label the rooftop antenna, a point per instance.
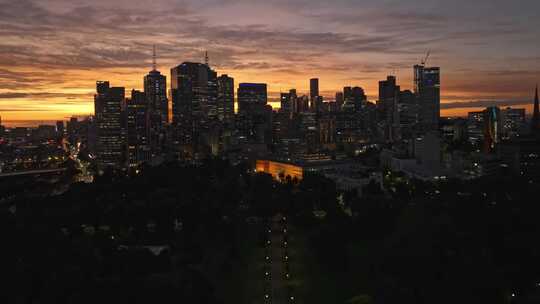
(154, 61)
(424, 60)
(206, 57)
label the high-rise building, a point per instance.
(194, 100)
(513, 121)
(286, 105)
(358, 97)
(109, 103)
(387, 106)
(60, 128)
(256, 117)
(155, 90)
(535, 122)
(313, 88)
(347, 94)
(138, 129)
(492, 128)
(427, 90)
(475, 126)
(408, 114)
(226, 99)
(339, 100)
(251, 96)
(314, 97)
(2, 129)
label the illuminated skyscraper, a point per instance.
(226, 99)
(313, 88)
(359, 97)
(314, 97)
(347, 94)
(251, 96)
(492, 128)
(387, 106)
(109, 103)
(339, 100)
(427, 90)
(138, 129)
(194, 99)
(155, 90)
(256, 117)
(535, 122)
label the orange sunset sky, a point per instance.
(53, 51)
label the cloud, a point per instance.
(483, 103)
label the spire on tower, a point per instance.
(154, 61)
(535, 123)
(206, 57)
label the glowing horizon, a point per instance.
(53, 51)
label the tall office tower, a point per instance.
(252, 101)
(286, 105)
(492, 128)
(155, 90)
(226, 99)
(513, 121)
(138, 129)
(2, 129)
(109, 104)
(313, 88)
(359, 97)
(60, 128)
(407, 114)
(251, 96)
(387, 106)
(294, 100)
(535, 122)
(302, 104)
(428, 94)
(314, 97)
(339, 100)
(475, 126)
(347, 94)
(194, 100)
(72, 128)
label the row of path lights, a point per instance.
(286, 258)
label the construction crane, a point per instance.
(426, 58)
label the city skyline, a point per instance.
(54, 51)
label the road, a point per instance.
(277, 269)
(32, 172)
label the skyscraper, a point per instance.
(226, 99)
(427, 90)
(155, 90)
(314, 97)
(359, 97)
(339, 99)
(251, 96)
(313, 88)
(492, 128)
(255, 116)
(535, 122)
(138, 129)
(286, 105)
(60, 128)
(194, 99)
(387, 106)
(347, 94)
(109, 104)
(513, 121)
